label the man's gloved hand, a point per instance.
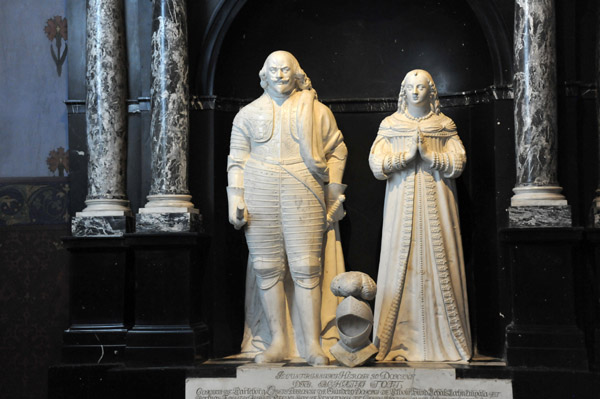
(238, 212)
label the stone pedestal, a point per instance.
(99, 304)
(543, 329)
(88, 224)
(400, 381)
(167, 327)
(540, 216)
(149, 221)
(538, 201)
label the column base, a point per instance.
(102, 224)
(168, 213)
(168, 220)
(538, 196)
(539, 216)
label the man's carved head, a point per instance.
(411, 87)
(281, 74)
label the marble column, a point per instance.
(596, 203)
(538, 201)
(169, 206)
(107, 212)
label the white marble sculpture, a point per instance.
(354, 318)
(421, 305)
(285, 168)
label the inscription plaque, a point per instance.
(255, 381)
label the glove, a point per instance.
(238, 212)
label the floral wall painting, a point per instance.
(56, 30)
(58, 159)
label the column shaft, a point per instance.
(535, 93)
(537, 200)
(107, 211)
(106, 116)
(170, 99)
(169, 206)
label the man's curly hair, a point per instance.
(302, 81)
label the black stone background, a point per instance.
(362, 50)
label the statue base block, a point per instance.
(168, 222)
(101, 225)
(297, 380)
(539, 216)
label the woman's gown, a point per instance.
(421, 305)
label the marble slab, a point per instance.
(539, 216)
(101, 226)
(161, 222)
(414, 381)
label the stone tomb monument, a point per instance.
(284, 147)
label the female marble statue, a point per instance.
(421, 305)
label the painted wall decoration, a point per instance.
(38, 201)
(58, 160)
(56, 30)
(33, 88)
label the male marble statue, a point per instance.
(421, 304)
(285, 168)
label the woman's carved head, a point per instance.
(418, 89)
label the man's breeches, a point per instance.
(286, 222)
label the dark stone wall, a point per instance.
(34, 296)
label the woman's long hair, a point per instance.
(434, 100)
